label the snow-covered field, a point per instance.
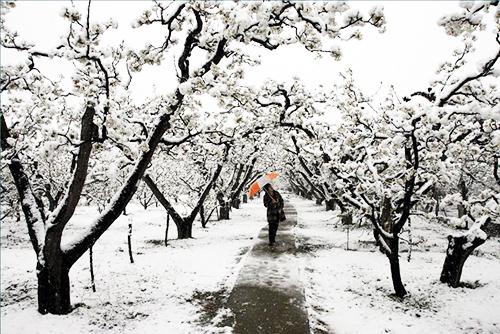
(351, 291)
(170, 289)
(180, 288)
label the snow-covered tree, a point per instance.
(465, 119)
(190, 183)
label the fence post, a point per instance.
(166, 230)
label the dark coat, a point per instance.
(273, 208)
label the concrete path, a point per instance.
(268, 296)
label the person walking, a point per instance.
(274, 204)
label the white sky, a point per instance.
(406, 55)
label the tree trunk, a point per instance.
(457, 253)
(347, 235)
(202, 217)
(397, 283)
(207, 219)
(346, 218)
(399, 288)
(330, 204)
(184, 231)
(245, 198)
(390, 247)
(464, 192)
(386, 218)
(166, 230)
(224, 211)
(236, 203)
(461, 211)
(53, 286)
(436, 205)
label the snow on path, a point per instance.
(268, 296)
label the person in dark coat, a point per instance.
(274, 204)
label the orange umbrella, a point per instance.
(256, 186)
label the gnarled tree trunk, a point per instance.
(53, 287)
(330, 204)
(459, 249)
(464, 193)
(53, 276)
(224, 209)
(235, 203)
(397, 283)
(184, 231)
(387, 239)
(202, 217)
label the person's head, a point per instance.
(269, 188)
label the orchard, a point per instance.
(146, 131)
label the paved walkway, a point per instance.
(268, 296)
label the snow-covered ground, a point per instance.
(351, 291)
(170, 289)
(181, 288)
